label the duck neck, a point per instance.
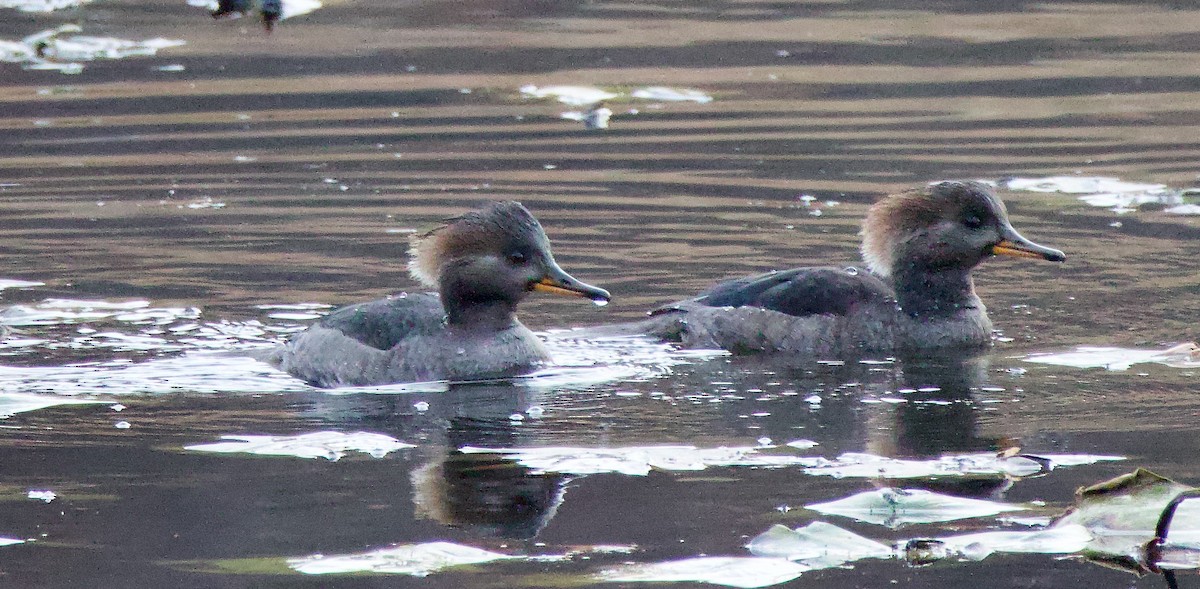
(489, 314)
(922, 292)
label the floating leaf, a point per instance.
(1065, 539)
(818, 545)
(899, 507)
(957, 465)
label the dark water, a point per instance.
(211, 208)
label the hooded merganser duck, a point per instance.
(482, 264)
(915, 296)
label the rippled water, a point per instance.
(173, 211)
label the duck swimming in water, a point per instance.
(916, 294)
(482, 264)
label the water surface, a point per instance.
(184, 207)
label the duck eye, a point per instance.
(973, 221)
(516, 258)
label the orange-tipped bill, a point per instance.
(1015, 245)
(558, 282)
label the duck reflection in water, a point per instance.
(483, 264)
(915, 295)
(271, 11)
(486, 495)
(489, 494)
(911, 407)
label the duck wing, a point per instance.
(802, 292)
(382, 324)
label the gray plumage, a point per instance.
(917, 294)
(483, 263)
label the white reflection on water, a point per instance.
(666, 94)
(48, 50)
(1185, 355)
(329, 445)
(182, 353)
(418, 560)
(13, 283)
(13, 403)
(730, 571)
(572, 95)
(41, 5)
(70, 311)
(638, 460)
(855, 464)
(1110, 193)
(290, 7)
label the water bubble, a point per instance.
(421, 406)
(122, 425)
(599, 302)
(535, 412)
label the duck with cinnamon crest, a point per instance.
(482, 264)
(916, 294)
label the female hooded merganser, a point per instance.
(482, 264)
(919, 247)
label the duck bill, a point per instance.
(1015, 245)
(556, 281)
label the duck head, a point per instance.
(492, 256)
(945, 227)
